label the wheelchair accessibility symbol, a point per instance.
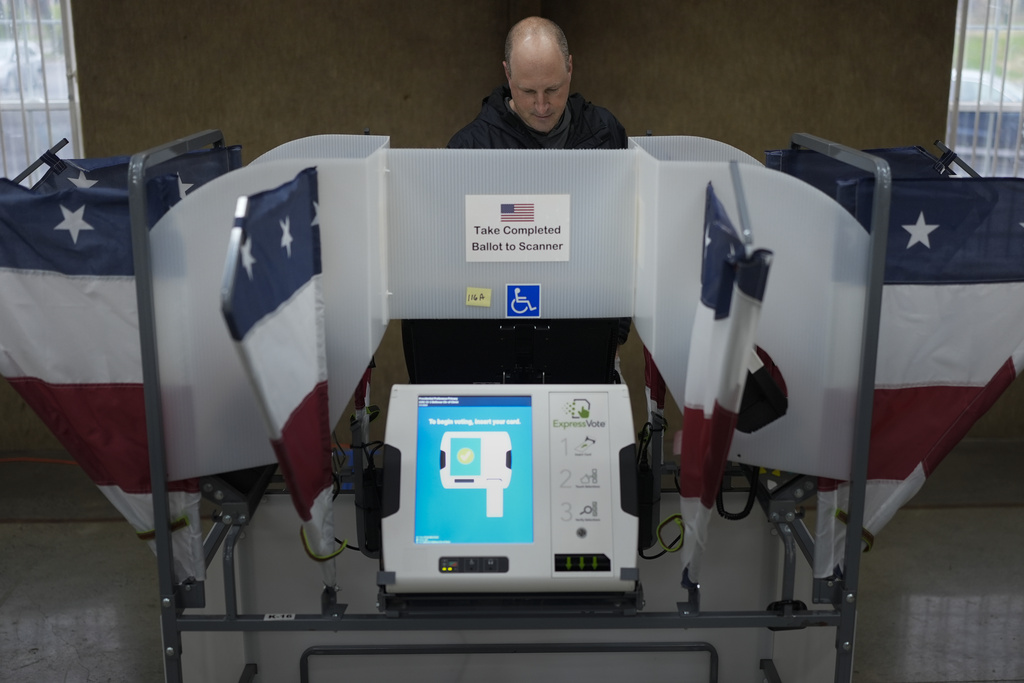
(522, 301)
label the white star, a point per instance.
(919, 232)
(286, 234)
(73, 222)
(183, 188)
(247, 257)
(316, 214)
(81, 181)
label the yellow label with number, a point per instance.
(478, 296)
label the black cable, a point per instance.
(337, 465)
(751, 474)
(348, 546)
(643, 442)
(663, 551)
(645, 490)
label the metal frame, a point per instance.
(865, 393)
(780, 508)
(501, 648)
(169, 592)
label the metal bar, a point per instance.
(39, 162)
(1019, 138)
(770, 504)
(42, 66)
(3, 146)
(151, 383)
(741, 203)
(865, 392)
(961, 38)
(957, 160)
(230, 591)
(213, 540)
(771, 674)
(21, 78)
(71, 66)
(804, 540)
(504, 648)
(789, 560)
(379, 622)
(981, 79)
(657, 456)
(1002, 91)
(248, 673)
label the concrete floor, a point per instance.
(942, 596)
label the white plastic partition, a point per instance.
(813, 306)
(327, 147)
(357, 243)
(670, 228)
(212, 422)
(811, 324)
(690, 148)
(429, 270)
(634, 248)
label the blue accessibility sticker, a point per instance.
(522, 301)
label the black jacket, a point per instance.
(495, 127)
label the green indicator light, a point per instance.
(568, 562)
(593, 562)
(582, 559)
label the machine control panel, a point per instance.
(472, 565)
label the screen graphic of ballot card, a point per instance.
(474, 470)
(478, 460)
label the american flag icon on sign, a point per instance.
(516, 213)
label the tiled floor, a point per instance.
(942, 592)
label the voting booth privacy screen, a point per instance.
(632, 238)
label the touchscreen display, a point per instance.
(474, 469)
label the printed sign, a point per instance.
(517, 227)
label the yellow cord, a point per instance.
(179, 523)
(313, 555)
(678, 519)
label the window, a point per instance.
(38, 83)
(986, 96)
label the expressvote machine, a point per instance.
(509, 488)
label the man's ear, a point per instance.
(570, 66)
(508, 73)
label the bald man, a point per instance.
(535, 109)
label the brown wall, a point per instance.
(868, 74)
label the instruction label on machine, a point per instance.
(581, 486)
(517, 227)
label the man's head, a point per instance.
(538, 67)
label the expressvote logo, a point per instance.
(578, 412)
(578, 408)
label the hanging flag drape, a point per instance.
(69, 336)
(951, 331)
(69, 345)
(951, 339)
(732, 288)
(274, 309)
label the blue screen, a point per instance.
(480, 489)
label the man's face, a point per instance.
(539, 82)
